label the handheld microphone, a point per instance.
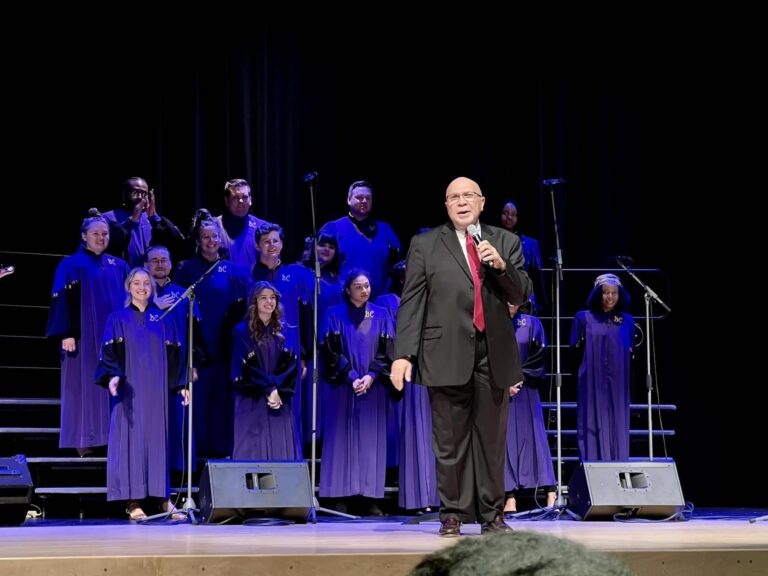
(311, 177)
(553, 181)
(622, 259)
(474, 231)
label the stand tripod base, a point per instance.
(188, 509)
(318, 508)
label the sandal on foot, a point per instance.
(136, 514)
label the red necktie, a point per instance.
(478, 318)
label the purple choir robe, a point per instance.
(86, 289)
(529, 459)
(294, 283)
(355, 434)
(262, 433)
(606, 341)
(221, 298)
(131, 240)
(391, 302)
(417, 474)
(178, 418)
(238, 237)
(144, 352)
(374, 255)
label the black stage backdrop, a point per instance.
(405, 110)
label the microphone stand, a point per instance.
(311, 179)
(189, 508)
(649, 295)
(559, 501)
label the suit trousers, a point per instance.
(469, 427)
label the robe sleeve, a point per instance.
(578, 342)
(64, 311)
(176, 357)
(534, 366)
(112, 354)
(119, 237)
(200, 354)
(284, 378)
(337, 365)
(381, 364)
(254, 380)
(244, 379)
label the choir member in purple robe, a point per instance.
(136, 225)
(532, 256)
(237, 226)
(358, 349)
(158, 262)
(264, 377)
(365, 243)
(294, 284)
(529, 459)
(330, 293)
(604, 337)
(417, 485)
(221, 295)
(140, 361)
(331, 285)
(87, 288)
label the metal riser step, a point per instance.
(631, 432)
(571, 405)
(94, 490)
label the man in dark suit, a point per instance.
(464, 350)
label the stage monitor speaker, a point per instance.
(637, 489)
(15, 490)
(253, 489)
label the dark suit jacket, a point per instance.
(434, 321)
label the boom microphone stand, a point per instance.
(189, 508)
(559, 501)
(649, 295)
(311, 181)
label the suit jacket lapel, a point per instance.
(451, 242)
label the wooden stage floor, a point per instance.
(714, 542)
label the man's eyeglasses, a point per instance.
(469, 197)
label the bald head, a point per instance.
(464, 202)
(463, 184)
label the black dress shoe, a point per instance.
(495, 526)
(450, 527)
